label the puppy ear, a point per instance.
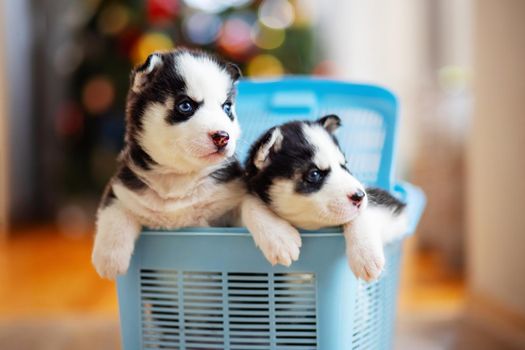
(234, 71)
(141, 74)
(330, 122)
(271, 143)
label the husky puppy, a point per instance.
(177, 167)
(297, 176)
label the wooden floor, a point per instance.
(427, 286)
(43, 273)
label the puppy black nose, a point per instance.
(220, 138)
(357, 197)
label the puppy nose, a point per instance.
(220, 138)
(357, 197)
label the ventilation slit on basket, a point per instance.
(249, 310)
(295, 311)
(160, 309)
(203, 313)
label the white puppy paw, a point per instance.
(111, 263)
(114, 241)
(280, 245)
(278, 240)
(367, 264)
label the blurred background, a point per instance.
(458, 67)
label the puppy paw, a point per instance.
(366, 264)
(111, 263)
(282, 246)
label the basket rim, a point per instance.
(231, 231)
(359, 87)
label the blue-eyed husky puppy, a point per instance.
(297, 176)
(177, 167)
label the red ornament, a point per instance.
(127, 40)
(161, 10)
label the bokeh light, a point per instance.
(277, 14)
(98, 94)
(453, 79)
(160, 11)
(148, 43)
(305, 13)
(215, 6)
(202, 28)
(265, 66)
(113, 19)
(267, 38)
(235, 38)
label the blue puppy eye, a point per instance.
(313, 176)
(185, 107)
(227, 107)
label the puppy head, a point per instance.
(299, 170)
(181, 110)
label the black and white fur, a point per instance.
(172, 172)
(297, 177)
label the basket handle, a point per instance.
(415, 199)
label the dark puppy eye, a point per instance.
(313, 176)
(227, 107)
(185, 107)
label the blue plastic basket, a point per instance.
(211, 288)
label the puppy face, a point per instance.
(299, 170)
(181, 110)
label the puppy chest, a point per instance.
(195, 210)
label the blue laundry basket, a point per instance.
(211, 288)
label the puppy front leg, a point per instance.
(115, 238)
(278, 240)
(364, 246)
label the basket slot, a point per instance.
(162, 317)
(247, 292)
(162, 302)
(160, 326)
(248, 327)
(164, 337)
(250, 346)
(261, 299)
(203, 346)
(250, 338)
(283, 293)
(160, 310)
(150, 288)
(162, 345)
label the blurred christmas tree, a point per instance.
(265, 38)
